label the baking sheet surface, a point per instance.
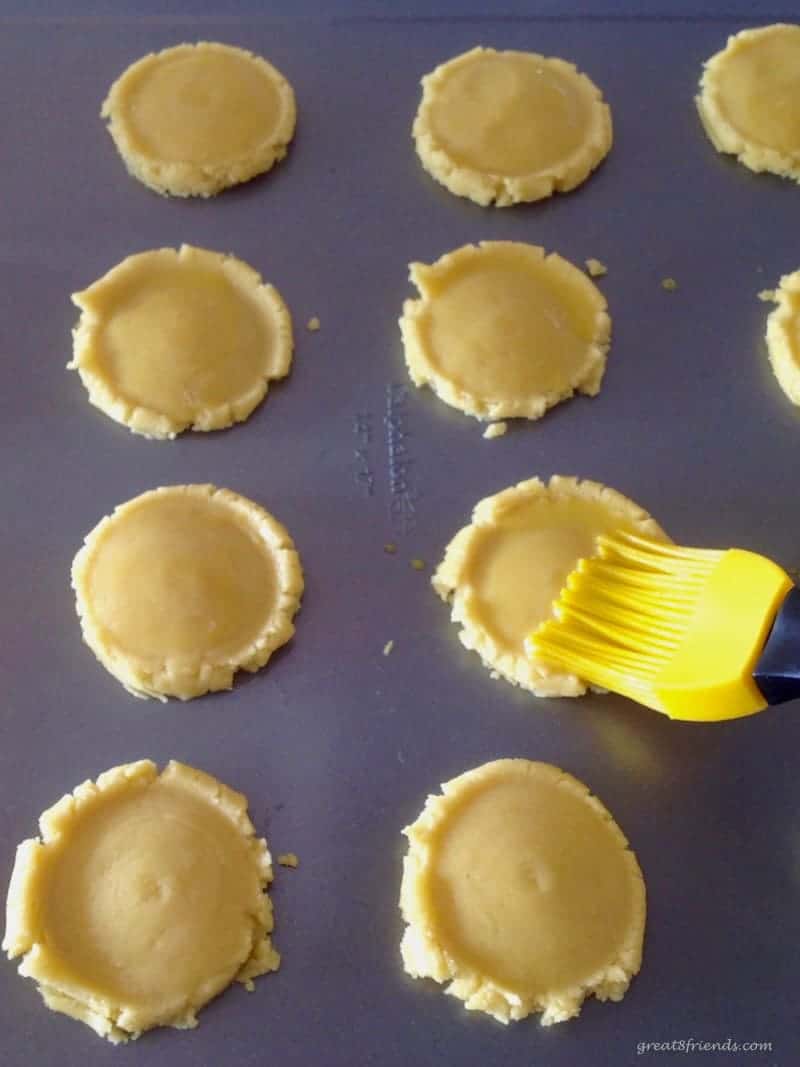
(337, 745)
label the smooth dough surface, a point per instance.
(520, 890)
(142, 899)
(783, 335)
(184, 585)
(180, 338)
(749, 99)
(508, 127)
(502, 330)
(194, 119)
(502, 572)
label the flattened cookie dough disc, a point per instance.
(142, 900)
(182, 586)
(506, 127)
(503, 330)
(749, 99)
(783, 336)
(520, 890)
(172, 339)
(197, 118)
(502, 573)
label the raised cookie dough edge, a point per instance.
(143, 680)
(486, 188)
(193, 179)
(725, 137)
(519, 668)
(423, 373)
(25, 937)
(147, 421)
(782, 355)
(423, 957)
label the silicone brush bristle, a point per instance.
(624, 612)
(664, 625)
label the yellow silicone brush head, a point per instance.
(677, 629)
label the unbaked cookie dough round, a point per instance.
(197, 118)
(749, 99)
(520, 890)
(783, 335)
(184, 585)
(143, 898)
(503, 330)
(184, 338)
(508, 127)
(502, 573)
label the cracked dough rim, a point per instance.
(424, 957)
(109, 1017)
(204, 674)
(488, 188)
(171, 178)
(784, 357)
(518, 668)
(263, 297)
(723, 134)
(423, 370)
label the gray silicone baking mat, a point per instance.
(337, 745)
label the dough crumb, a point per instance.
(390, 548)
(288, 859)
(595, 268)
(387, 648)
(418, 564)
(767, 295)
(669, 284)
(313, 324)
(495, 429)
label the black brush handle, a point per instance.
(777, 672)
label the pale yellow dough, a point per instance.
(197, 118)
(507, 127)
(495, 429)
(502, 573)
(783, 335)
(184, 585)
(520, 890)
(176, 339)
(142, 899)
(749, 99)
(595, 268)
(502, 330)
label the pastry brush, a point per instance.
(694, 633)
